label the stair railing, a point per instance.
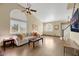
(71, 22)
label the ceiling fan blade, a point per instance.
(21, 6)
(23, 10)
(33, 10)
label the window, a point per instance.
(48, 27)
(18, 26)
(18, 21)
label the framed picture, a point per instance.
(34, 27)
(56, 27)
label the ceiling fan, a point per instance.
(28, 9)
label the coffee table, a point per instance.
(34, 41)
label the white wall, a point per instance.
(75, 36)
(33, 20)
(54, 32)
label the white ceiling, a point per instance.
(47, 12)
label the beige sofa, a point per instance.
(20, 39)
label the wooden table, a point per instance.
(35, 40)
(8, 42)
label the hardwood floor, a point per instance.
(52, 46)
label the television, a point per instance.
(75, 21)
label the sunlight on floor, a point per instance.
(49, 43)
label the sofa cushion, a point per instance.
(20, 36)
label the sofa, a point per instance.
(20, 38)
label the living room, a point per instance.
(23, 22)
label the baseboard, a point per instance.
(51, 35)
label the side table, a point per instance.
(8, 42)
